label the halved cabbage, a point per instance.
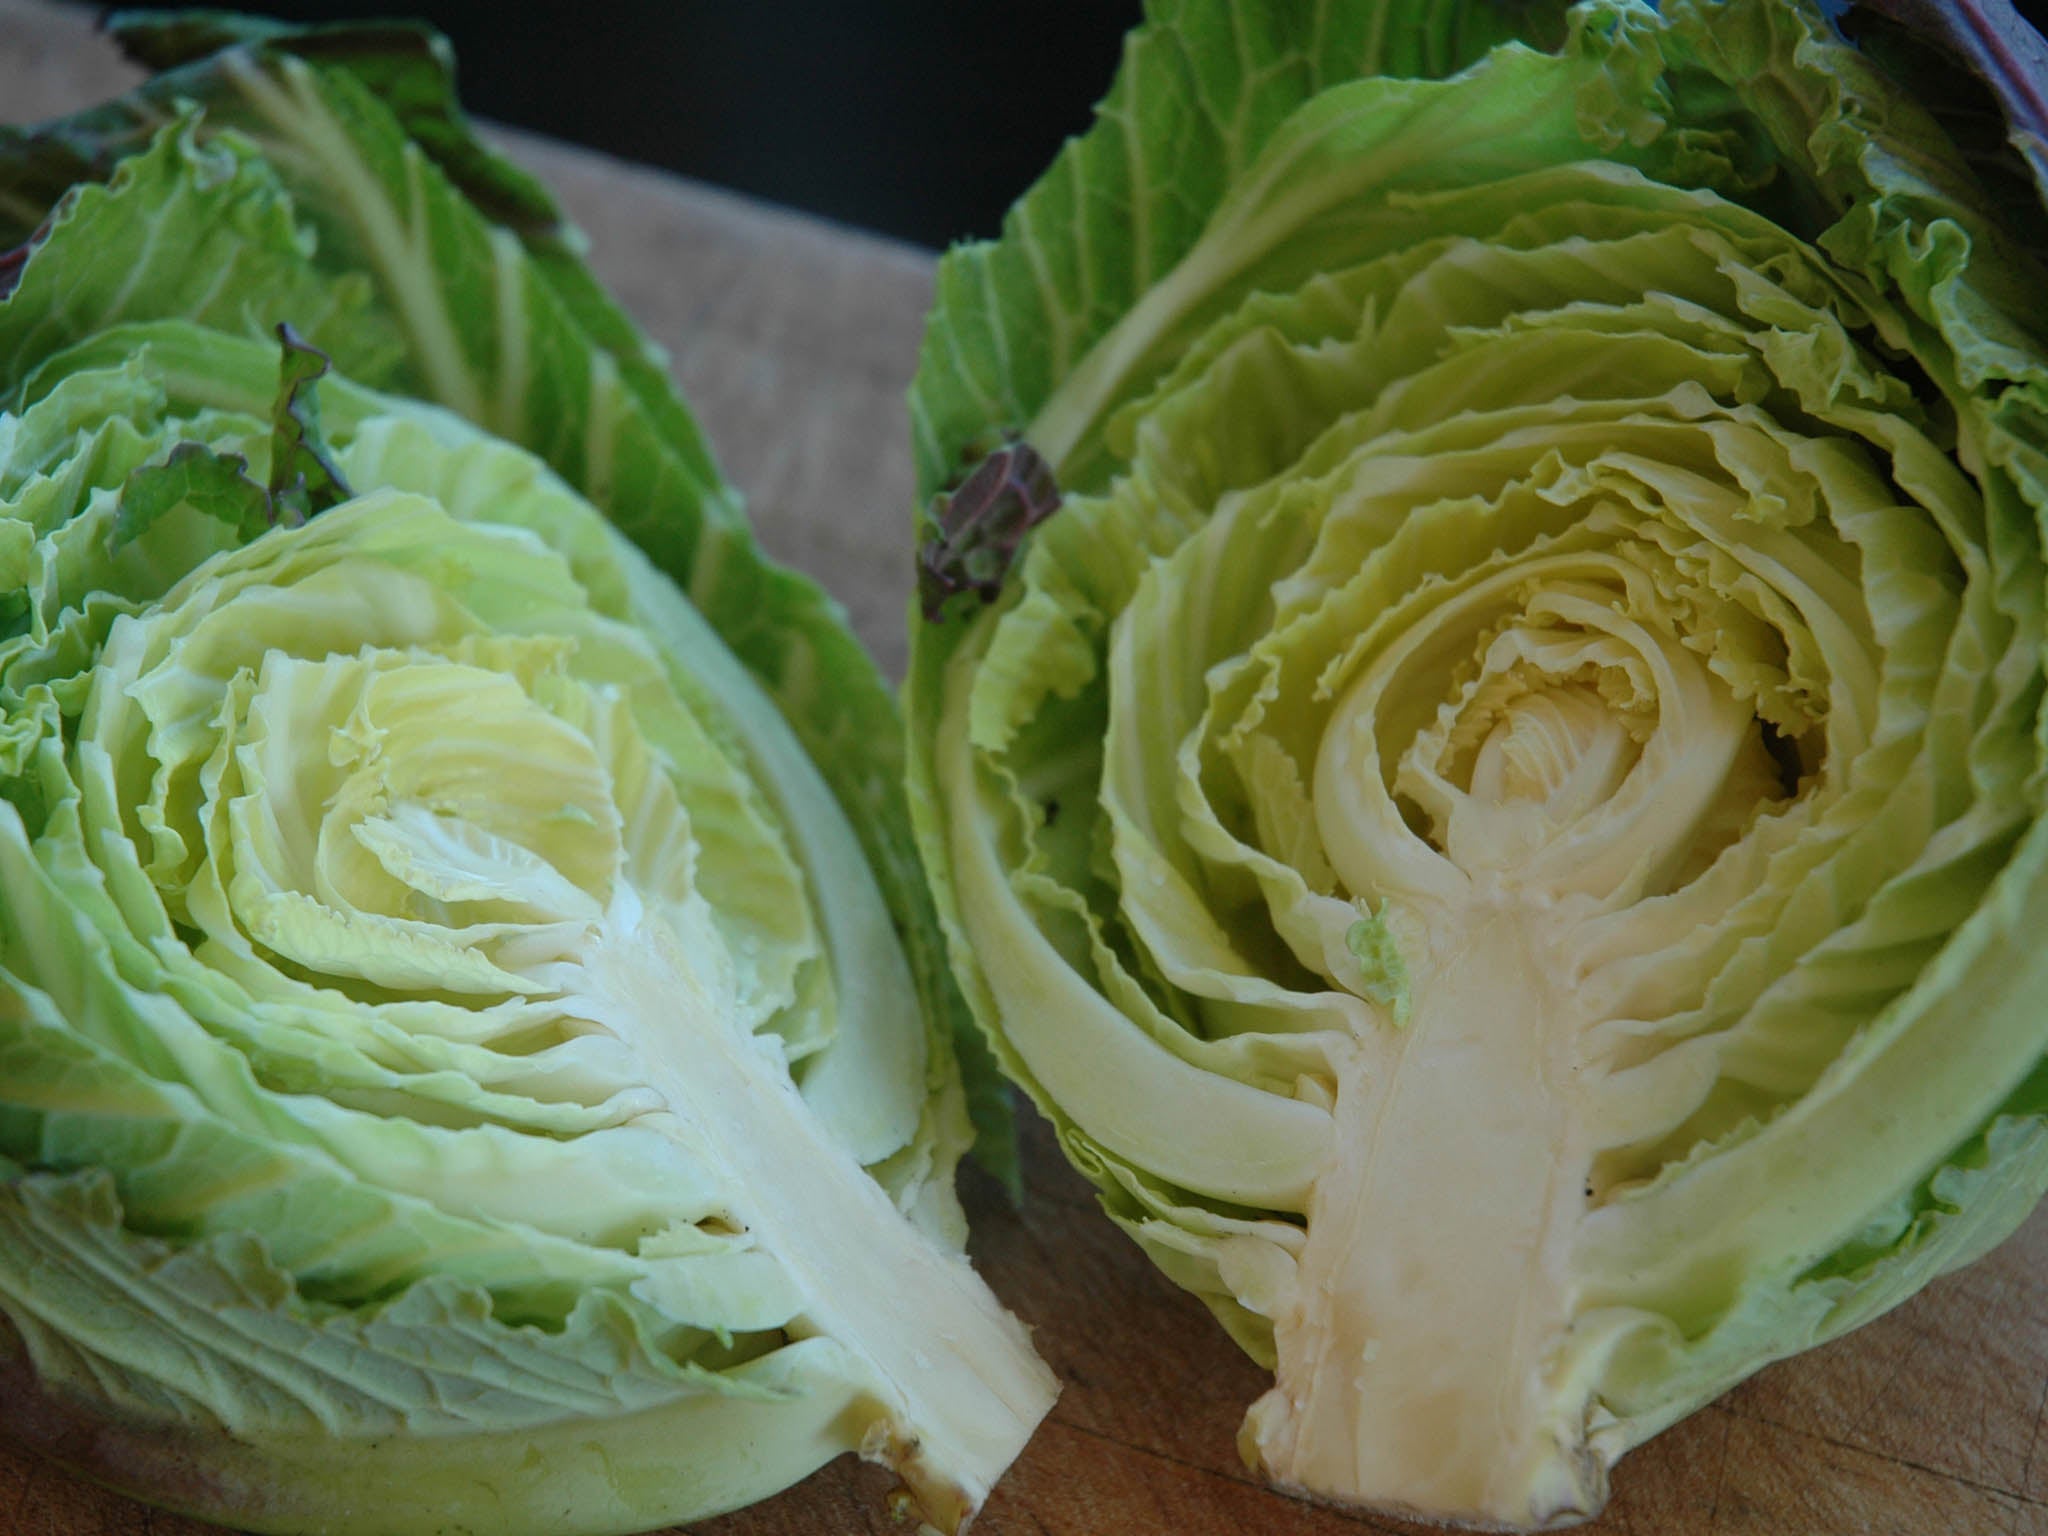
(468, 1056)
(1501, 816)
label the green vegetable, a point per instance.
(472, 1050)
(1502, 816)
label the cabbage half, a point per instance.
(1479, 728)
(471, 1057)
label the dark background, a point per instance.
(920, 118)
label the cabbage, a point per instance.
(1478, 725)
(473, 1053)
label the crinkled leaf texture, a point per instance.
(1502, 818)
(472, 1053)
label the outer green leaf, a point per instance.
(1201, 91)
(302, 476)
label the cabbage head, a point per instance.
(471, 1053)
(1479, 718)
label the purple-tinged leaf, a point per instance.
(977, 529)
(14, 261)
(303, 476)
(2002, 49)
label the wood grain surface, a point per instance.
(794, 341)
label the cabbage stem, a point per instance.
(952, 1387)
(1418, 1359)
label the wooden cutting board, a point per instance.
(794, 340)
